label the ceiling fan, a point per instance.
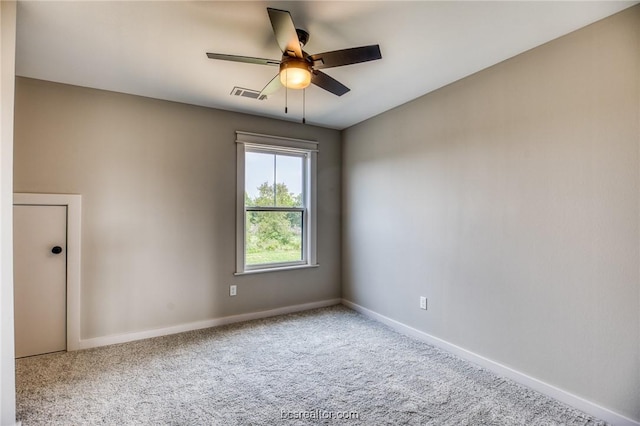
(298, 69)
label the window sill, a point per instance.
(283, 268)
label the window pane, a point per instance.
(273, 237)
(289, 181)
(259, 179)
(273, 180)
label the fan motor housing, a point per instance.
(303, 36)
(293, 62)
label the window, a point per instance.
(276, 226)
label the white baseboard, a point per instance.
(146, 334)
(502, 370)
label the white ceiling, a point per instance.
(157, 49)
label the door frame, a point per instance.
(73, 202)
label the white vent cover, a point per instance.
(248, 93)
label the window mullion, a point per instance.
(275, 209)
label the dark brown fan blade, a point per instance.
(273, 86)
(285, 32)
(338, 58)
(247, 59)
(329, 84)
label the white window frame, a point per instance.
(308, 150)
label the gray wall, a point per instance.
(158, 186)
(511, 200)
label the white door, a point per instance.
(40, 282)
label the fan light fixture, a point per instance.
(295, 74)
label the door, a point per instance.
(40, 283)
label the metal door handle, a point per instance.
(56, 250)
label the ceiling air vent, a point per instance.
(247, 93)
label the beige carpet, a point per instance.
(326, 366)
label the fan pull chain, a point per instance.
(304, 104)
(286, 93)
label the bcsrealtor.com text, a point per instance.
(318, 415)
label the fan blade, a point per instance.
(285, 32)
(338, 58)
(273, 86)
(329, 84)
(247, 59)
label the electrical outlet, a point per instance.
(233, 290)
(423, 303)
